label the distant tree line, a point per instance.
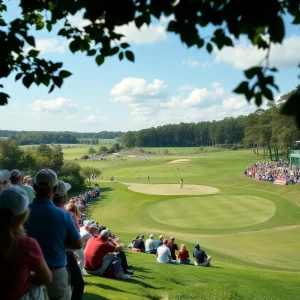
(60, 137)
(44, 156)
(265, 128)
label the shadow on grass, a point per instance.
(90, 296)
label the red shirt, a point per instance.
(95, 250)
(183, 255)
(15, 270)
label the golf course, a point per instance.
(250, 228)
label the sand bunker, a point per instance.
(179, 161)
(172, 189)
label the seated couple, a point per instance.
(163, 255)
(104, 256)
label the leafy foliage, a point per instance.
(230, 19)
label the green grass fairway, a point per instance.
(225, 211)
(251, 229)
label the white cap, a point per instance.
(15, 174)
(87, 223)
(93, 225)
(104, 233)
(45, 178)
(4, 175)
(14, 199)
(62, 188)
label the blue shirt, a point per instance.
(158, 243)
(52, 228)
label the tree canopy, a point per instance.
(260, 21)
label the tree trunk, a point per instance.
(270, 150)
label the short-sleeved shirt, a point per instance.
(139, 244)
(28, 190)
(163, 254)
(15, 270)
(172, 246)
(85, 235)
(95, 250)
(149, 245)
(158, 243)
(52, 227)
(183, 255)
(200, 256)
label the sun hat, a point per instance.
(104, 233)
(14, 199)
(197, 246)
(14, 174)
(45, 178)
(62, 188)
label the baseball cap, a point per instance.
(104, 233)
(93, 225)
(14, 199)
(14, 174)
(197, 246)
(62, 188)
(4, 175)
(45, 178)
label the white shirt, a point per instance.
(149, 245)
(28, 190)
(85, 235)
(163, 254)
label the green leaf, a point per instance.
(121, 55)
(57, 81)
(64, 74)
(209, 47)
(129, 55)
(267, 93)
(250, 73)
(33, 53)
(40, 25)
(51, 6)
(57, 66)
(30, 40)
(49, 26)
(18, 76)
(3, 99)
(114, 50)
(51, 88)
(99, 60)
(139, 21)
(258, 99)
(292, 105)
(2, 22)
(28, 80)
(125, 45)
(74, 46)
(91, 52)
(243, 88)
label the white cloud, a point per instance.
(137, 90)
(58, 105)
(50, 46)
(244, 55)
(78, 21)
(193, 63)
(234, 103)
(87, 108)
(94, 119)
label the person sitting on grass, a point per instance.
(132, 241)
(23, 268)
(183, 255)
(163, 254)
(173, 247)
(150, 245)
(139, 245)
(201, 258)
(99, 256)
(159, 242)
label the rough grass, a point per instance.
(254, 259)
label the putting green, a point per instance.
(213, 212)
(172, 189)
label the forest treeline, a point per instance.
(265, 128)
(60, 137)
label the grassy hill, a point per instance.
(250, 228)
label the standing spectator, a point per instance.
(54, 230)
(173, 247)
(183, 255)
(201, 258)
(159, 242)
(16, 179)
(77, 283)
(150, 245)
(20, 254)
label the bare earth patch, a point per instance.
(171, 189)
(179, 161)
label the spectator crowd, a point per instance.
(48, 245)
(273, 171)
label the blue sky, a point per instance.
(168, 83)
